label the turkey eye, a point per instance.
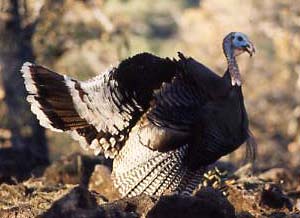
(240, 38)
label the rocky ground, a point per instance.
(80, 186)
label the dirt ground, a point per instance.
(80, 186)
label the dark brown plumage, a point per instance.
(163, 121)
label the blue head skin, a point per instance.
(241, 43)
(234, 44)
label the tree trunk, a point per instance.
(29, 148)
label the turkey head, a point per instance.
(234, 44)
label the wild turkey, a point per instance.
(163, 121)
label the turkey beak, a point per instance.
(249, 48)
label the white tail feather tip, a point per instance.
(29, 83)
(25, 67)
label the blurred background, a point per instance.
(82, 38)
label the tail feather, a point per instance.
(190, 181)
(136, 180)
(61, 104)
(163, 181)
(52, 103)
(148, 171)
(176, 180)
(50, 99)
(154, 179)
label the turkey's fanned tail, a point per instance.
(52, 102)
(50, 99)
(99, 112)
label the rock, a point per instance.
(207, 203)
(101, 182)
(258, 198)
(273, 197)
(137, 206)
(73, 169)
(245, 214)
(297, 205)
(78, 203)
